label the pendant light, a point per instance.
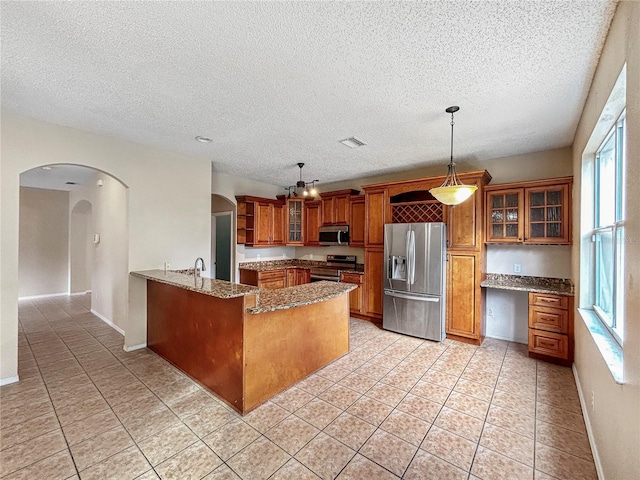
(301, 187)
(452, 191)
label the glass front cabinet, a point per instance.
(529, 212)
(295, 208)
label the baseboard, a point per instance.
(587, 422)
(8, 381)
(48, 295)
(79, 293)
(108, 322)
(134, 347)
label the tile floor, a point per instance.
(393, 407)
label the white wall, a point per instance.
(109, 267)
(615, 424)
(44, 242)
(168, 214)
(81, 247)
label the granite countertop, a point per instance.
(267, 265)
(207, 286)
(266, 300)
(556, 286)
(306, 294)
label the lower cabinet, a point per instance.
(269, 280)
(298, 276)
(464, 297)
(356, 304)
(373, 275)
(551, 327)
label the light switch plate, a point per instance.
(517, 268)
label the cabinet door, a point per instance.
(375, 205)
(263, 223)
(547, 215)
(328, 210)
(355, 296)
(461, 225)
(356, 222)
(303, 275)
(341, 209)
(278, 234)
(294, 215)
(462, 295)
(312, 223)
(292, 277)
(373, 266)
(505, 216)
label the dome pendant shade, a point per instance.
(452, 191)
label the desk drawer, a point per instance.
(549, 300)
(549, 319)
(548, 343)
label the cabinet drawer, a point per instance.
(272, 274)
(548, 343)
(351, 278)
(273, 284)
(549, 300)
(549, 319)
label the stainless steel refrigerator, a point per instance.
(415, 279)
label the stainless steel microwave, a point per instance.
(334, 235)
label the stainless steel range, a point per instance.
(335, 263)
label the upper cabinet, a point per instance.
(295, 221)
(260, 222)
(336, 207)
(312, 222)
(357, 221)
(537, 212)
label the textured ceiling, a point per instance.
(276, 83)
(57, 176)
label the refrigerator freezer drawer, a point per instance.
(418, 316)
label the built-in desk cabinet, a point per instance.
(551, 327)
(537, 212)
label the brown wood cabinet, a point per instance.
(260, 222)
(410, 201)
(464, 314)
(537, 212)
(551, 327)
(357, 221)
(373, 271)
(312, 221)
(295, 221)
(336, 207)
(269, 280)
(298, 276)
(376, 200)
(356, 300)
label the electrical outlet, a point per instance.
(490, 312)
(593, 401)
(517, 268)
(258, 257)
(167, 266)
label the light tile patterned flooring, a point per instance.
(394, 406)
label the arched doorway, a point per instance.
(90, 208)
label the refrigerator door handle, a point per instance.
(411, 297)
(412, 247)
(407, 248)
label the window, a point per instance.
(608, 230)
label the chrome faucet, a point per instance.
(196, 270)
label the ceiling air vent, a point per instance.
(352, 142)
(71, 183)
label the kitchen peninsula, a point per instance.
(242, 343)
